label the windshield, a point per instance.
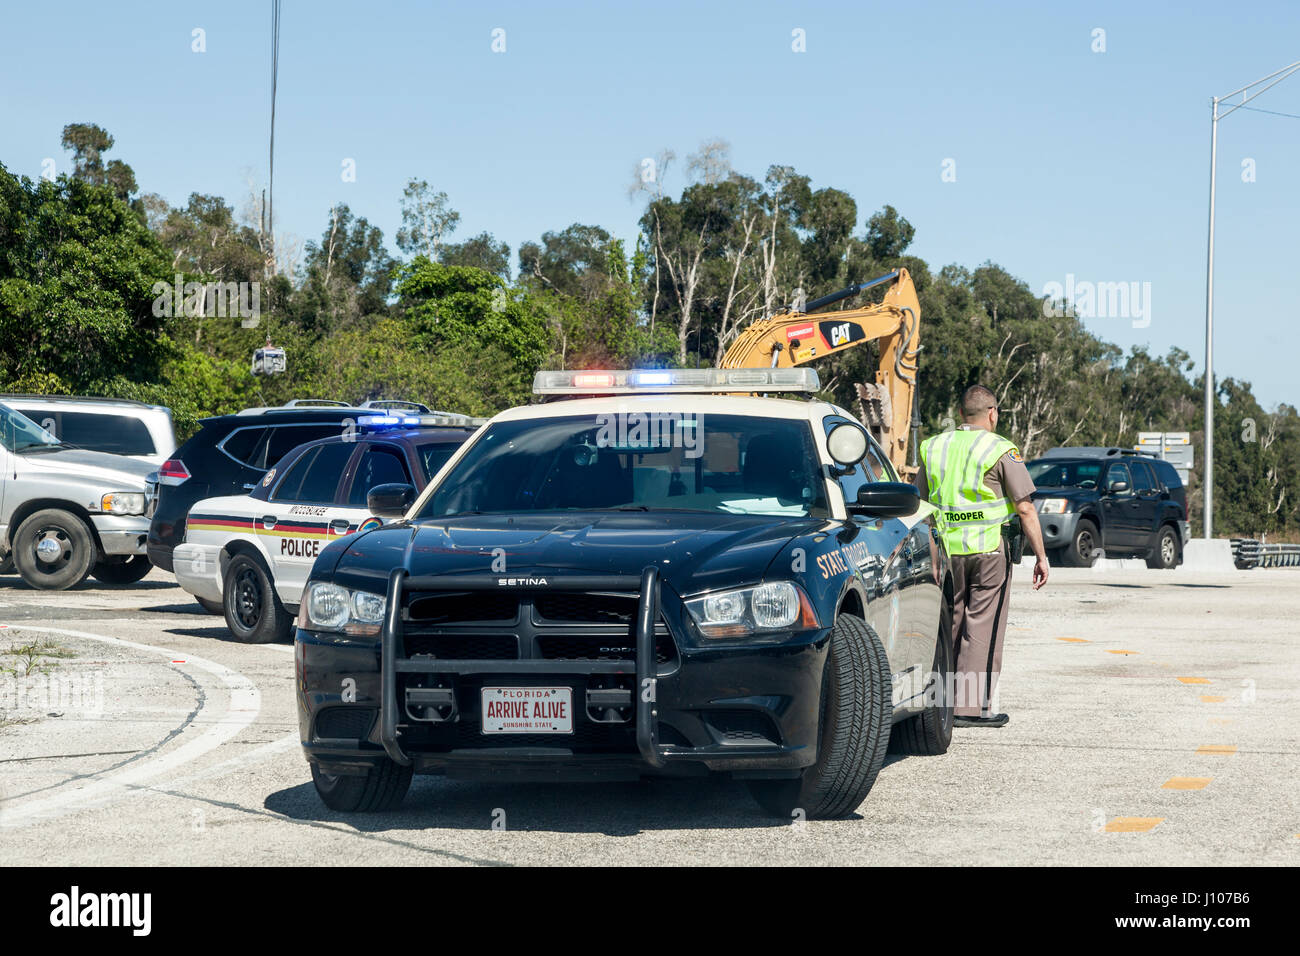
(434, 456)
(731, 464)
(1054, 473)
(19, 433)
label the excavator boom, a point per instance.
(888, 405)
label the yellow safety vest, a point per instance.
(970, 516)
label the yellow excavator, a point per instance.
(797, 336)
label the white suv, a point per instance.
(114, 425)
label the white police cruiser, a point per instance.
(251, 553)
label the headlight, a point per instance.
(329, 607)
(1053, 506)
(122, 503)
(779, 605)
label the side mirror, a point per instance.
(847, 444)
(390, 501)
(1117, 487)
(887, 499)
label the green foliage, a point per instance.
(450, 328)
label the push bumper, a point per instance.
(751, 711)
(198, 569)
(121, 534)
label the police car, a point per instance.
(656, 576)
(250, 554)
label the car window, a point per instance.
(379, 465)
(1119, 473)
(314, 477)
(433, 456)
(1054, 473)
(1168, 475)
(1143, 482)
(285, 438)
(733, 464)
(97, 431)
(243, 442)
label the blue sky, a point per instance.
(1068, 161)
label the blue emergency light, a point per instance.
(685, 380)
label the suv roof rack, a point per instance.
(396, 403)
(79, 398)
(1089, 451)
(328, 402)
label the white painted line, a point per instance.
(243, 707)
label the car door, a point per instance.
(303, 515)
(886, 552)
(379, 463)
(1146, 504)
(1118, 509)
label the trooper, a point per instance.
(978, 483)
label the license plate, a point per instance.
(527, 710)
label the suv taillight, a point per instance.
(173, 472)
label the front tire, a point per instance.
(53, 550)
(930, 732)
(1083, 549)
(853, 731)
(1165, 553)
(253, 610)
(121, 569)
(381, 787)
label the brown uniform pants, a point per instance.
(982, 583)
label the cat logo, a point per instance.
(841, 333)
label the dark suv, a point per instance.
(228, 455)
(1091, 500)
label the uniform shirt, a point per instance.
(1008, 478)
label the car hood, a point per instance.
(694, 551)
(92, 465)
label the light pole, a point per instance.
(1277, 77)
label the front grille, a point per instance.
(558, 625)
(590, 608)
(348, 723)
(583, 648)
(463, 607)
(464, 647)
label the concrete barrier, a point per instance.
(1212, 555)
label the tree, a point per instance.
(480, 252)
(88, 143)
(427, 219)
(77, 269)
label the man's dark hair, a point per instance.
(976, 400)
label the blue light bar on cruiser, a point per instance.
(388, 421)
(697, 380)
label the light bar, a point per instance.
(388, 421)
(659, 380)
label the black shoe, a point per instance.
(997, 720)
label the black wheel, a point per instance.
(853, 732)
(212, 607)
(1085, 547)
(121, 568)
(253, 612)
(7, 565)
(53, 550)
(930, 732)
(381, 787)
(1164, 554)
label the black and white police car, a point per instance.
(656, 576)
(250, 554)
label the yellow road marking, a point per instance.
(1073, 640)
(1218, 749)
(1212, 699)
(1133, 824)
(1186, 783)
(1221, 721)
(1193, 680)
(1121, 652)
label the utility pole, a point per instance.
(1277, 77)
